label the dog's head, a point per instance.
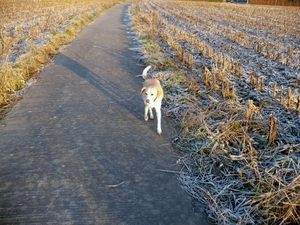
(150, 94)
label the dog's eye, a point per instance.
(152, 94)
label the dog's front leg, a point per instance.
(146, 112)
(151, 114)
(158, 115)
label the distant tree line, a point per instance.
(276, 2)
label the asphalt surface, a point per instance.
(76, 149)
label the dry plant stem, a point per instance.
(207, 76)
(225, 89)
(233, 95)
(252, 79)
(262, 83)
(251, 109)
(275, 90)
(298, 105)
(290, 98)
(272, 130)
(281, 95)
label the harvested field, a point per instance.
(33, 30)
(231, 76)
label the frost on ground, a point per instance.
(237, 107)
(27, 28)
(32, 32)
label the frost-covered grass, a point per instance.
(231, 85)
(31, 31)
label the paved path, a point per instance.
(79, 129)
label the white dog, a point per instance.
(152, 95)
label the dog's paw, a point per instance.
(151, 117)
(159, 131)
(146, 118)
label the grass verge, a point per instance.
(13, 75)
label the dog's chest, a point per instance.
(151, 105)
(154, 104)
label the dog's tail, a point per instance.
(144, 75)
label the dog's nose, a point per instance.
(147, 100)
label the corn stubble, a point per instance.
(32, 31)
(237, 110)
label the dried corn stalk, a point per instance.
(190, 61)
(272, 130)
(281, 94)
(233, 95)
(274, 90)
(207, 76)
(290, 98)
(252, 79)
(262, 79)
(225, 89)
(251, 109)
(298, 105)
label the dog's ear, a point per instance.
(160, 93)
(142, 90)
